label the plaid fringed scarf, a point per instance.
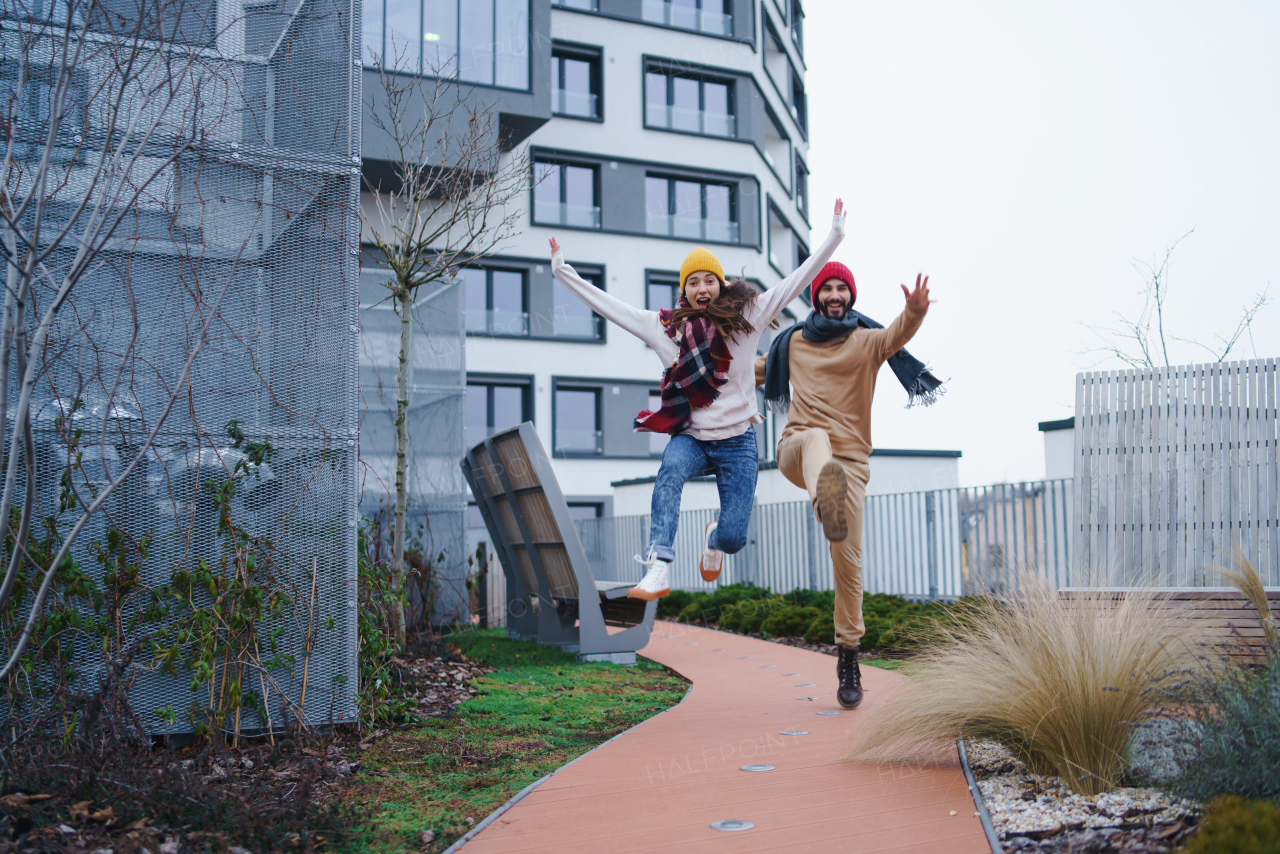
(693, 381)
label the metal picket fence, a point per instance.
(935, 544)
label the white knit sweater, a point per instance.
(735, 409)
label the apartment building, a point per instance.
(654, 126)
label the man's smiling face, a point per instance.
(834, 297)
(701, 288)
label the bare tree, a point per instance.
(1143, 342)
(129, 101)
(446, 203)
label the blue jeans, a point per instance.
(735, 464)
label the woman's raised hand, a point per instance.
(555, 246)
(839, 207)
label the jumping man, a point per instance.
(826, 446)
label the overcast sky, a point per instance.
(1024, 154)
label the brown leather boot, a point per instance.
(849, 693)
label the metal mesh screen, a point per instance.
(248, 227)
(437, 382)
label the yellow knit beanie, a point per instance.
(700, 259)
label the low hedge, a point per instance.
(1234, 825)
(893, 624)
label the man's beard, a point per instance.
(844, 309)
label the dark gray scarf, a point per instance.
(922, 386)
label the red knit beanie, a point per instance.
(833, 270)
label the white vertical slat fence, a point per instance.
(1175, 469)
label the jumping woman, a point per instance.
(707, 346)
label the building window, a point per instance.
(706, 16)
(497, 302)
(675, 207)
(479, 41)
(570, 316)
(496, 404)
(797, 26)
(802, 187)
(565, 194)
(799, 105)
(580, 5)
(662, 291)
(688, 103)
(575, 82)
(777, 145)
(577, 421)
(580, 510)
(782, 241)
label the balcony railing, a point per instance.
(694, 228)
(569, 103)
(571, 326)
(495, 322)
(561, 213)
(571, 441)
(693, 121)
(665, 12)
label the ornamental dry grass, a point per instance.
(1060, 683)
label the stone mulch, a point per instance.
(1034, 813)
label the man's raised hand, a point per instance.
(839, 207)
(918, 298)
(555, 246)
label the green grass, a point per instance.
(537, 711)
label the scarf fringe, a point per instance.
(925, 391)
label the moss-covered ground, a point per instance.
(537, 710)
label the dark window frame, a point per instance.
(601, 386)
(559, 384)
(421, 72)
(797, 27)
(595, 167)
(670, 71)
(661, 278)
(489, 270)
(773, 207)
(801, 187)
(785, 90)
(745, 40)
(488, 382)
(592, 54)
(746, 187)
(702, 199)
(597, 279)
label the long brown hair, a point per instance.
(725, 311)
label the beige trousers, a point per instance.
(801, 456)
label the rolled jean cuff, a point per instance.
(663, 553)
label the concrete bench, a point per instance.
(1232, 623)
(552, 595)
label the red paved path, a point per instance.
(659, 787)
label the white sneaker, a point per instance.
(712, 559)
(654, 585)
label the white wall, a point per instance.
(1059, 453)
(625, 257)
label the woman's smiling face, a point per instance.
(701, 288)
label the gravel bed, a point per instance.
(1034, 813)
